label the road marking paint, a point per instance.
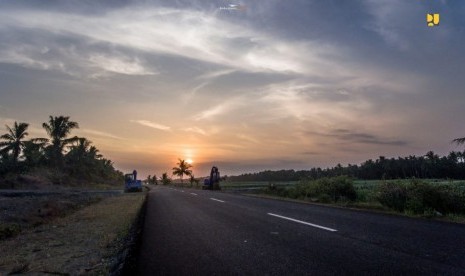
(216, 199)
(303, 222)
(193, 194)
(182, 191)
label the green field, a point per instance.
(359, 184)
(255, 184)
(421, 197)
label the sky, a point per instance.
(245, 86)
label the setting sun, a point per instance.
(190, 161)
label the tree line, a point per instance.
(429, 165)
(182, 168)
(59, 157)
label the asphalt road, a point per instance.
(190, 232)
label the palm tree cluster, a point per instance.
(72, 158)
(152, 180)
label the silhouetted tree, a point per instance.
(14, 139)
(182, 169)
(165, 179)
(34, 152)
(58, 129)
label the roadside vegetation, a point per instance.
(428, 198)
(58, 159)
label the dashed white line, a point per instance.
(216, 199)
(193, 194)
(304, 222)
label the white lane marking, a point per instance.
(303, 222)
(182, 191)
(216, 199)
(193, 194)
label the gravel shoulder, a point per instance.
(87, 238)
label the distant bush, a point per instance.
(419, 197)
(393, 195)
(325, 189)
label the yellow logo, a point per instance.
(432, 19)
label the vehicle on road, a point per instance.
(212, 182)
(131, 184)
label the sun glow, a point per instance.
(190, 161)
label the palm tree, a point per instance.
(58, 128)
(81, 149)
(14, 139)
(33, 151)
(182, 169)
(78, 150)
(165, 179)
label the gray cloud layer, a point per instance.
(336, 80)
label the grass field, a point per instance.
(413, 197)
(255, 184)
(359, 184)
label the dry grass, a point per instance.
(84, 242)
(21, 212)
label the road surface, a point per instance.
(191, 232)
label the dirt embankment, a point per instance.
(66, 233)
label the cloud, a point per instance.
(99, 133)
(196, 130)
(349, 136)
(75, 56)
(152, 125)
(220, 109)
(192, 34)
(392, 20)
(121, 65)
(216, 74)
(247, 138)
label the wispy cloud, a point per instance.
(152, 125)
(120, 65)
(247, 138)
(196, 130)
(216, 74)
(349, 136)
(99, 133)
(81, 59)
(188, 33)
(217, 110)
(391, 18)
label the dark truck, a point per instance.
(212, 182)
(131, 184)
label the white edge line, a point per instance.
(193, 194)
(303, 222)
(216, 199)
